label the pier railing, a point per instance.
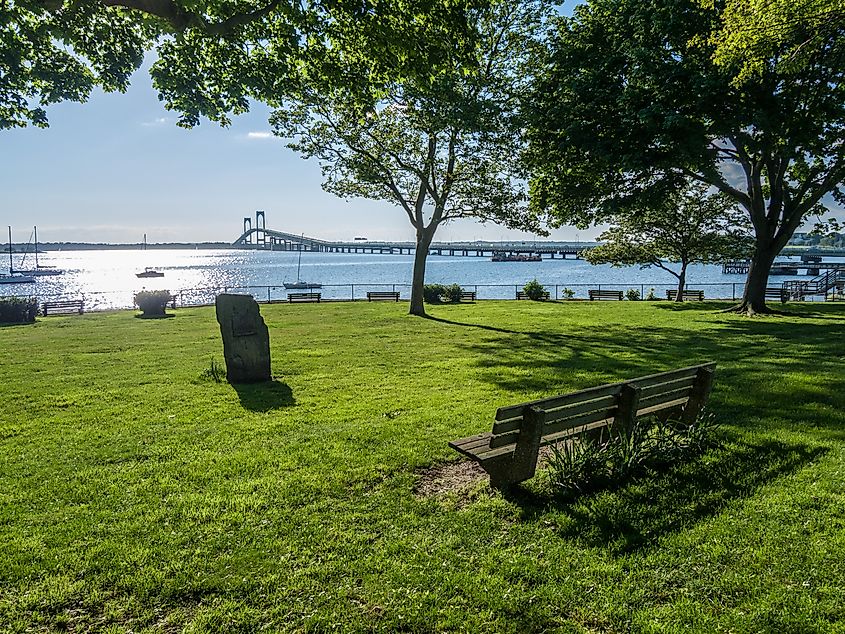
(202, 296)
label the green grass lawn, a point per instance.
(136, 494)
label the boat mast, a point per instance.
(10, 250)
(299, 263)
(35, 230)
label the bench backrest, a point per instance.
(598, 293)
(303, 295)
(672, 293)
(601, 406)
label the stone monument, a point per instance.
(246, 342)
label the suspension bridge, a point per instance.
(258, 236)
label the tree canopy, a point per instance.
(755, 34)
(440, 149)
(631, 104)
(213, 55)
(690, 227)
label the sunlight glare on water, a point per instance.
(106, 278)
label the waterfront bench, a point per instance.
(600, 294)
(377, 296)
(777, 292)
(524, 295)
(304, 297)
(66, 307)
(468, 296)
(672, 293)
(509, 453)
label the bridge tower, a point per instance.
(260, 228)
(248, 227)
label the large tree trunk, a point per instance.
(424, 238)
(754, 296)
(682, 282)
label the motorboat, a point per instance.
(149, 272)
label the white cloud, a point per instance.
(159, 121)
(262, 134)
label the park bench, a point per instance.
(376, 296)
(509, 453)
(672, 293)
(63, 307)
(600, 294)
(304, 297)
(468, 296)
(777, 292)
(524, 295)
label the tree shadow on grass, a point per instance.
(646, 509)
(479, 326)
(264, 397)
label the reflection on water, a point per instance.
(107, 279)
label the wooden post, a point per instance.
(523, 464)
(626, 410)
(699, 394)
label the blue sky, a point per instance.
(117, 167)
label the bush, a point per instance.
(433, 293)
(534, 290)
(453, 293)
(632, 294)
(437, 293)
(583, 466)
(18, 310)
(568, 293)
(651, 296)
(152, 303)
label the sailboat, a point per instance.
(13, 278)
(148, 271)
(38, 270)
(299, 284)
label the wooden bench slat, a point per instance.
(574, 422)
(595, 293)
(681, 393)
(659, 388)
(554, 402)
(581, 407)
(665, 377)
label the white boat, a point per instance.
(38, 270)
(300, 284)
(14, 278)
(148, 271)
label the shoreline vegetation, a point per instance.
(141, 494)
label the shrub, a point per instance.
(437, 293)
(568, 293)
(632, 294)
(534, 290)
(152, 303)
(433, 293)
(18, 310)
(651, 296)
(582, 465)
(453, 292)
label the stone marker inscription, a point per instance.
(246, 341)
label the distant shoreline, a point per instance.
(108, 246)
